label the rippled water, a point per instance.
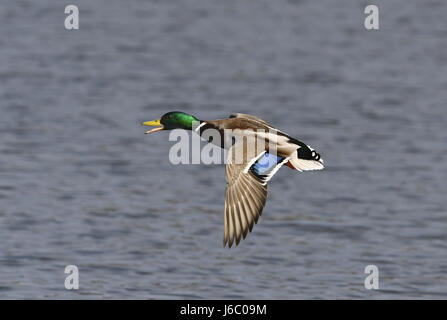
(81, 184)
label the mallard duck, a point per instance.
(246, 190)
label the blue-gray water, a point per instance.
(81, 184)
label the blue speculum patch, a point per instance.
(265, 164)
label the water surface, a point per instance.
(81, 184)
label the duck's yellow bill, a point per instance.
(153, 124)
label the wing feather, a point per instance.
(242, 214)
(244, 201)
(250, 117)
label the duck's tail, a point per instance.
(303, 160)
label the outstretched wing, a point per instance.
(246, 194)
(245, 197)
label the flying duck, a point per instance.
(246, 190)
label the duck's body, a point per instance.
(247, 177)
(301, 156)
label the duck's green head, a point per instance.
(172, 120)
